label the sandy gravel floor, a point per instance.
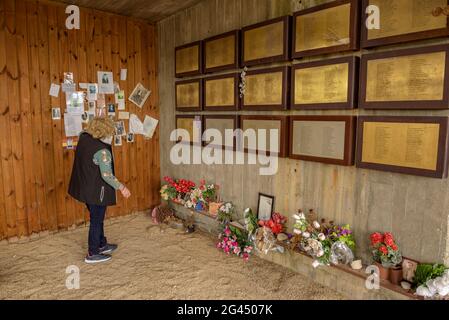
(150, 264)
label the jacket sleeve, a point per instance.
(103, 159)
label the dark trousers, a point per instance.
(97, 239)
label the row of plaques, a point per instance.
(328, 28)
(401, 79)
(410, 145)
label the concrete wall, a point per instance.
(414, 208)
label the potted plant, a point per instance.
(225, 213)
(387, 256)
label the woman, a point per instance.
(93, 183)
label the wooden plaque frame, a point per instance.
(283, 147)
(423, 105)
(200, 95)
(353, 87)
(353, 30)
(200, 60)
(350, 126)
(442, 158)
(235, 65)
(403, 38)
(285, 90)
(285, 56)
(235, 106)
(190, 117)
(236, 120)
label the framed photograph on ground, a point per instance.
(188, 60)
(221, 123)
(140, 95)
(327, 28)
(193, 127)
(221, 93)
(405, 21)
(265, 207)
(267, 89)
(415, 78)
(267, 123)
(221, 52)
(188, 95)
(266, 42)
(328, 84)
(410, 145)
(327, 139)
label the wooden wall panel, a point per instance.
(36, 49)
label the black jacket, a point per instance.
(86, 183)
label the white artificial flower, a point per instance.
(315, 264)
(306, 235)
(316, 225)
(320, 254)
(296, 217)
(322, 237)
(297, 231)
(307, 248)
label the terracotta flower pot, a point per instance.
(396, 275)
(214, 207)
(384, 273)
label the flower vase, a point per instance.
(214, 207)
(384, 273)
(396, 275)
(199, 206)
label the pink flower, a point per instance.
(246, 256)
(226, 239)
(227, 232)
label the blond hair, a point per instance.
(101, 127)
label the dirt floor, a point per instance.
(150, 264)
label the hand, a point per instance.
(125, 192)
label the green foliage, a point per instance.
(250, 221)
(242, 236)
(425, 272)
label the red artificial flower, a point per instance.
(383, 250)
(394, 247)
(388, 239)
(376, 238)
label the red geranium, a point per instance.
(388, 239)
(275, 224)
(376, 238)
(384, 250)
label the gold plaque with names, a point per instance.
(220, 92)
(188, 95)
(188, 125)
(270, 126)
(401, 17)
(264, 42)
(409, 145)
(188, 59)
(264, 89)
(220, 52)
(419, 77)
(325, 28)
(323, 84)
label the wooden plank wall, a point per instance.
(414, 208)
(35, 50)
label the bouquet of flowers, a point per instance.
(195, 200)
(168, 192)
(234, 241)
(183, 187)
(226, 212)
(385, 250)
(342, 234)
(275, 224)
(209, 191)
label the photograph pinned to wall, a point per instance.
(83, 85)
(123, 74)
(120, 100)
(101, 101)
(73, 124)
(54, 90)
(85, 117)
(116, 87)
(149, 127)
(118, 141)
(130, 138)
(265, 207)
(140, 95)
(111, 109)
(105, 82)
(135, 125)
(56, 113)
(91, 106)
(102, 112)
(70, 143)
(69, 85)
(120, 128)
(75, 102)
(92, 91)
(90, 116)
(122, 115)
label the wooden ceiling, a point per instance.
(150, 10)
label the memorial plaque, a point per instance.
(266, 42)
(188, 60)
(188, 95)
(328, 139)
(221, 52)
(221, 123)
(406, 79)
(267, 89)
(188, 123)
(412, 145)
(221, 93)
(267, 123)
(328, 84)
(406, 20)
(327, 28)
